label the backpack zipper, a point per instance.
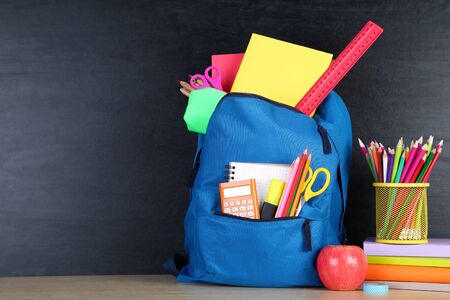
(322, 131)
(307, 233)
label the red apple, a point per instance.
(342, 268)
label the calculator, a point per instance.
(240, 198)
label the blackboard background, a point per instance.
(94, 155)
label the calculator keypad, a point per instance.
(240, 208)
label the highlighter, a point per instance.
(272, 199)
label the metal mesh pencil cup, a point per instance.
(401, 213)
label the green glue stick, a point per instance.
(201, 106)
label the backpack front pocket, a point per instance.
(280, 252)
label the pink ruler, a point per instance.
(337, 70)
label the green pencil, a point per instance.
(401, 164)
(398, 153)
(426, 165)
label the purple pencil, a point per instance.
(390, 164)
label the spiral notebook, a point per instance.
(261, 172)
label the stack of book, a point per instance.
(411, 267)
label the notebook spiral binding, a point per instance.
(229, 172)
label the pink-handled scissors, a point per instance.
(199, 81)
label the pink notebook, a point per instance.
(229, 66)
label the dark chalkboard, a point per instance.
(95, 157)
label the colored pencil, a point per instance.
(426, 165)
(375, 159)
(407, 152)
(289, 180)
(440, 144)
(294, 185)
(418, 168)
(415, 162)
(372, 161)
(380, 164)
(385, 165)
(366, 155)
(430, 144)
(430, 168)
(298, 194)
(398, 154)
(362, 146)
(409, 161)
(390, 164)
(400, 168)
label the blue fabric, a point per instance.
(233, 251)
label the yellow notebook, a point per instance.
(410, 261)
(280, 71)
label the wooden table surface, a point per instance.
(166, 287)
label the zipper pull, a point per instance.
(307, 233)
(325, 140)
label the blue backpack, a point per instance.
(229, 250)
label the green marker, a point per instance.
(398, 153)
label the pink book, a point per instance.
(434, 248)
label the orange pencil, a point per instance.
(407, 153)
(300, 187)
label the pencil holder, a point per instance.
(401, 213)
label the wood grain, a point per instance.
(165, 287)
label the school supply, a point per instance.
(211, 78)
(295, 185)
(263, 173)
(390, 164)
(399, 166)
(410, 261)
(301, 188)
(309, 193)
(200, 107)
(434, 248)
(240, 198)
(278, 70)
(415, 147)
(289, 182)
(433, 162)
(408, 273)
(416, 286)
(228, 64)
(398, 154)
(339, 68)
(229, 250)
(272, 199)
(369, 159)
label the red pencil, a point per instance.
(418, 169)
(380, 164)
(375, 159)
(433, 162)
(294, 185)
